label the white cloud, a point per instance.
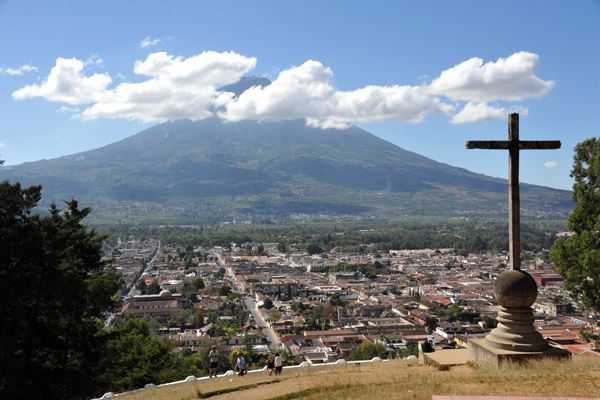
(148, 42)
(94, 59)
(272, 73)
(18, 71)
(176, 87)
(67, 84)
(550, 164)
(306, 92)
(475, 112)
(509, 79)
(1, 144)
(67, 110)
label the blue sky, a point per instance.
(427, 76)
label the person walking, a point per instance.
(241, 364)
(270, 363)
(278, 364)
(213, 356)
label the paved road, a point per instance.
(252, 307)
(268, 332)
(148, 264)
(110, 317)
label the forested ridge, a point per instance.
(377, 237)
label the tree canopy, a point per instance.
(134, 359)
(55, 293)
(368, 350)
(577, 258)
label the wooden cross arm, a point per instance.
(508, 144)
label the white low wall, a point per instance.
(294, 369)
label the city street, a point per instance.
(268, 332)
(253, 308)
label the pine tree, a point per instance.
(55, 292)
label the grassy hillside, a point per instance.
(399, 379)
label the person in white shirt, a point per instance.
(278, 364)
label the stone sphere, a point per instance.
(515, 289)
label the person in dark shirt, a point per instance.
(270, 363)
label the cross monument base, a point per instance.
(481, 353)
(515, 338)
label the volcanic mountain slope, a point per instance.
(276, 168)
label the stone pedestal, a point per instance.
(515, 337)
(516, 332)
(481, 353)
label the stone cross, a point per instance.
(513, 145)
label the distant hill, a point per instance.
(273, 168)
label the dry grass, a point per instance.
(399, 380)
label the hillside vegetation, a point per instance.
(188, 169)
(399, 379)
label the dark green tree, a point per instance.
(577, 258)
(281, 247)
(298, 306)
(186, 287)
(224, 290)
(312, 248)
(181, 317)
(141, 285)
(371, 275)
(411, 349)
(134, 359)
(198, 283)
(268, 303)
(191, 364)
(153, 288)
(431, 323)
(368, 350)
(55, 293)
